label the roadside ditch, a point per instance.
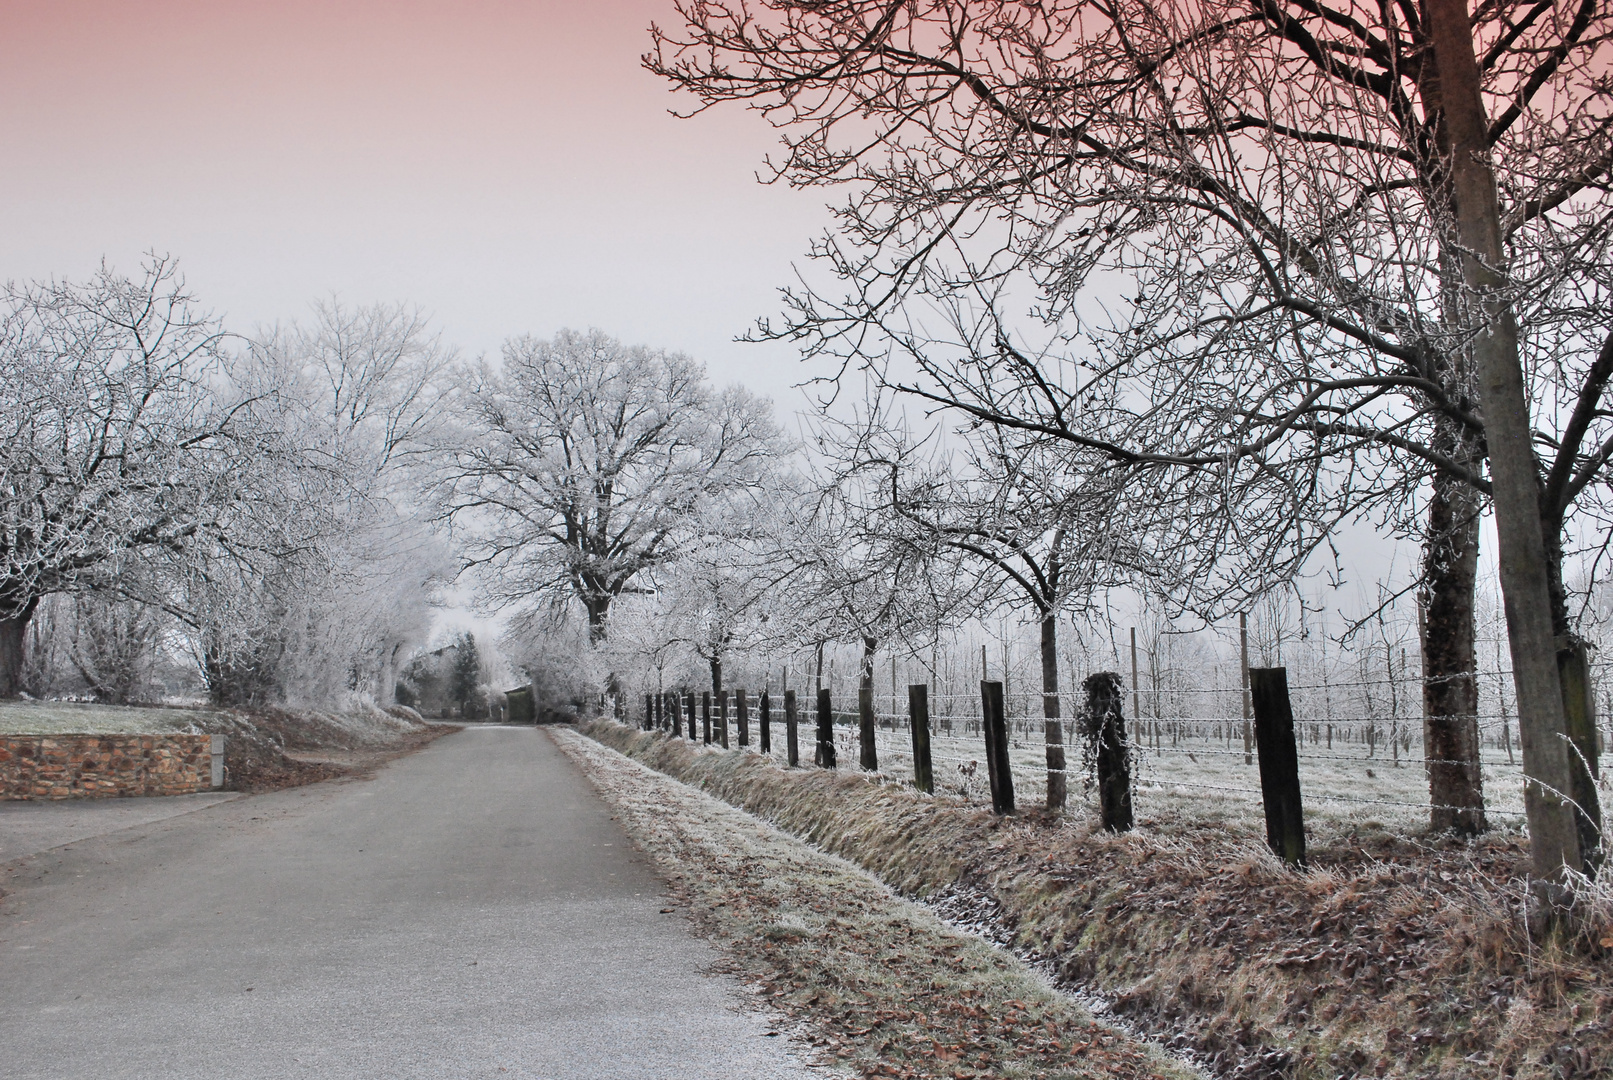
(1390, 957)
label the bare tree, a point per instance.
(112, 435)
(581, 464)
(112, 645)
(1043, 529)
(1326, 219)
(864, 573)
(314, 576)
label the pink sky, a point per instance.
(508, 166)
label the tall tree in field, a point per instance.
(1341, 234)
(581, 463)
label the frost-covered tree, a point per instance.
(115, 443)
(316, 583)
(580, 463)
(1354, 249)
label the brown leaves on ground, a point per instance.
(876, 984)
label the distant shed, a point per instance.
(519, 706)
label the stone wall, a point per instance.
(107, 766)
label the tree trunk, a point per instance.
(1052, 723)
(598, 607)
(386, 693)
(1553, 833)
(868, 756)
(13, 639)
(1579, 705)
(716, 674)
(1450, 691)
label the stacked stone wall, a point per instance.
(103, 766)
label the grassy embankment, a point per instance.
(1389, 957)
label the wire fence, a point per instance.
(1361, 767)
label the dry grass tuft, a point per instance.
(1389, 957)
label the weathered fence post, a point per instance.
(868, 752)
(996, 729)
(1279, 763)
(705, 716)
(742, 714)
(649, 712)
(722, 718)
(688, 701)
(1103, 727)
(918, 713)
(825, 757)
(792, 746)
(767, 722)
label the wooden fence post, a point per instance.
(792, 746)
(825, 757)
(722, 718)
(767, 722)
(705, 716)
(742, 715)
(1279, 763)
(996, 729)
(868, 751)
(918, 713)
(1103, 726)
(688, 701)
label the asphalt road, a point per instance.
(472, 911)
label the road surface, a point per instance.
(472, 911)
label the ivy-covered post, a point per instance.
(1106, 752)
